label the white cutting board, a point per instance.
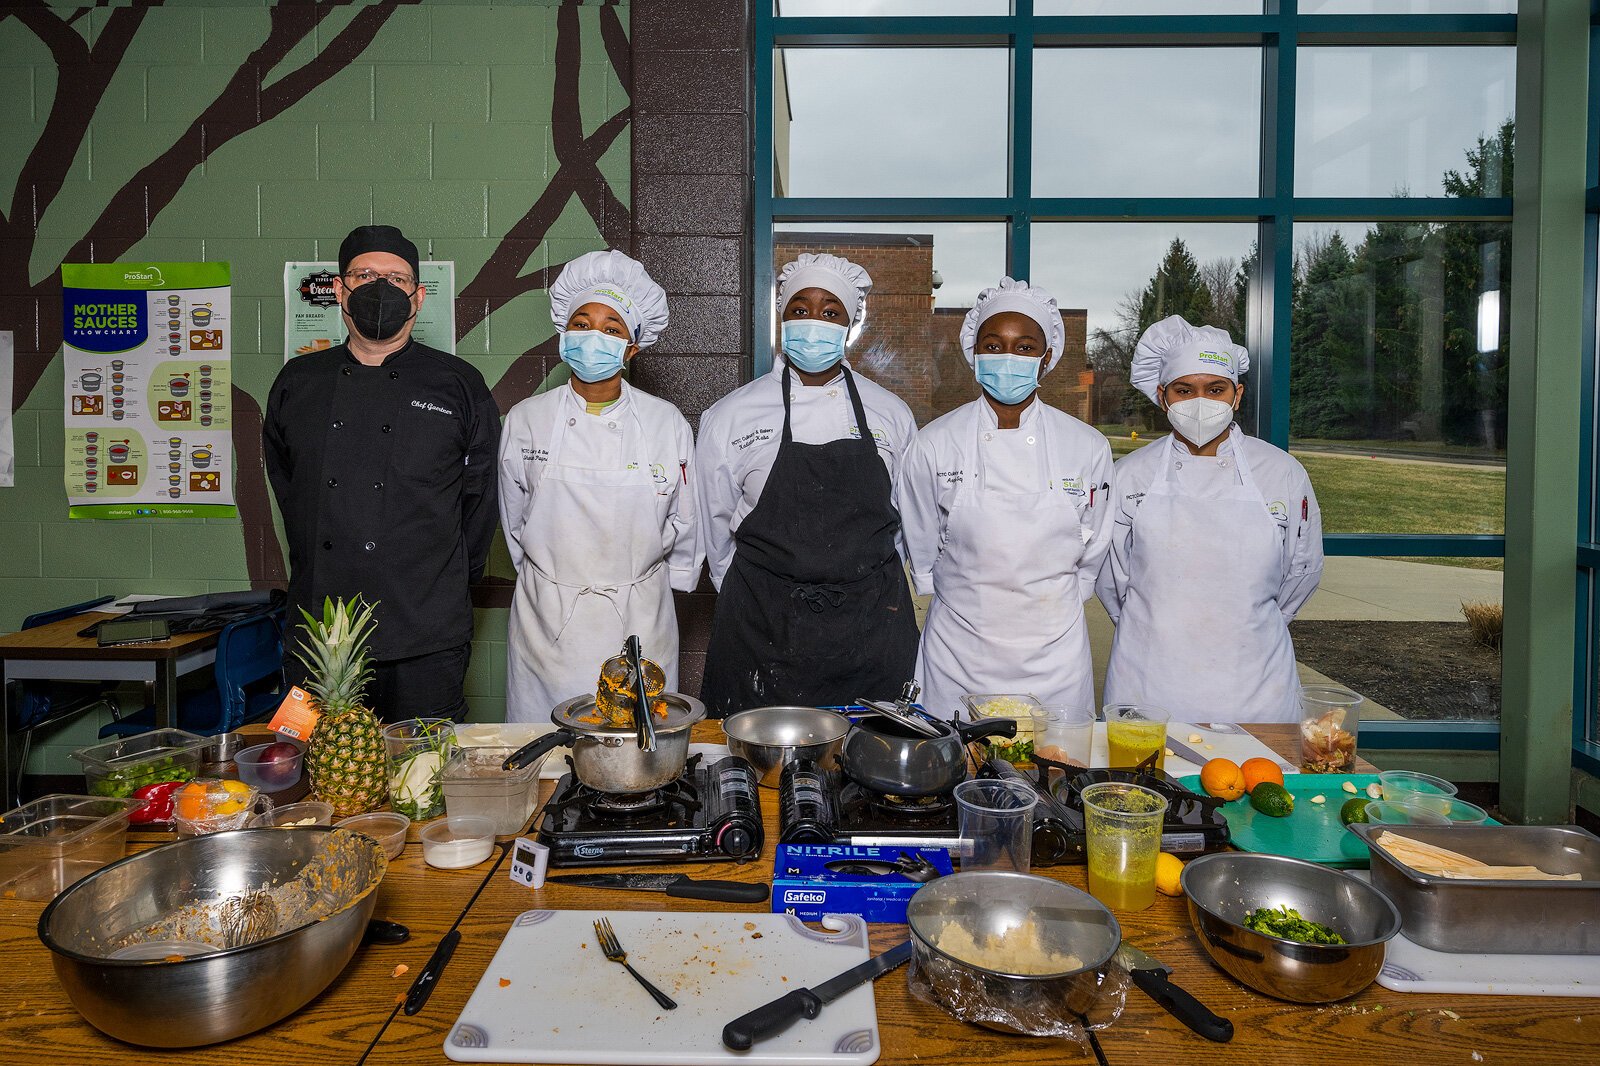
(566, 1003)
(1410, 967)
(1237, 746)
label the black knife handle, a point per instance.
(1182, 1006)
(422, 987)
(770, 1019)
(721, 891)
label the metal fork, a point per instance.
(613, 950)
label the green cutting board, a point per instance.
(1313, 831)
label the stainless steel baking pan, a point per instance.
(1497, 917)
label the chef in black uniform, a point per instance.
(798, 518)
(381, 452)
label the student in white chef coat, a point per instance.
(597, 497)
(798, 517)
(1217, 544)
(1005, 508)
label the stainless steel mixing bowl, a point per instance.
(1224, 887)
(770, 738)
(213, 994)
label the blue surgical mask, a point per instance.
(1008, 378)
(593, 356)
(813, 346)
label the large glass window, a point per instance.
(1335, 195)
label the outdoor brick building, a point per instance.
(912, 347)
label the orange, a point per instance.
(189, 802)
(1258, 770)
(1223, 779)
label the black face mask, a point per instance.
(378, 309)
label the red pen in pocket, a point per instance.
(683, 470)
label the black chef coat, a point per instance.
(385, 477)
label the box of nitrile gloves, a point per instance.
(810, 880)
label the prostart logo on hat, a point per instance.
(615, 294)
(1216, 359)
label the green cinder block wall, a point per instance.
(450, 120)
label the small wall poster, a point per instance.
(148, 384)
(312, 321)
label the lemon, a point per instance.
(1168, 869)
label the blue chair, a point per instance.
(37, 704)
(249, 683)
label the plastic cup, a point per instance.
(1123, 824)
(1330, 718)
(1063, 734)
(1400, 812)
(416, 751)
(996, 820)
(1132, 733)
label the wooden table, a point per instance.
(55, 652)
(38, 1025)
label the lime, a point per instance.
(1354, 810)
(1272, 799)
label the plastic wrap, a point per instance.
(1050, 1006)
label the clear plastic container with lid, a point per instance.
(475, 784)
(117, 767)
(54, 841)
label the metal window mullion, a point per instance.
(1019, 222)
(1437, 545)
(1275, 277)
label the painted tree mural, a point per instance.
(495, 136)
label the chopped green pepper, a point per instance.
(1286, 922)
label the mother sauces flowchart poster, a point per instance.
(148, 386)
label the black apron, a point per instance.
(814, 609)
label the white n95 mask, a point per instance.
(1200, 421)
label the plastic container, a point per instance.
(475, 784)
(388, 828)
(118, 767)
(1407, 785)
(1018, 705)
(458, 841)
(50, 843)
(216, 807)
(1330, 719)
(1401, 812)
(269, 776)
(306, 812)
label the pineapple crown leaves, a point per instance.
(334, 649)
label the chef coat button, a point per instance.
(612, 425)
(377, 485)
(1179, 465)
(1224, 464)
(369, 545)
(338, 423)
(386, 427)
(1030, 440)
(345, 371)
(573, 422)
(394, 375)
(988, 436)
(833, 392)
(333, 482)
(327, 545)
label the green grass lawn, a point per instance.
(1359, 494)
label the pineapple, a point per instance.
(345, 755)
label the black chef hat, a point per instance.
(364, 239)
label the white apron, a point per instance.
(1201, 635)
(1007, 612)
(593, 571)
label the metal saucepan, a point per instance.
(609, 759)
(884, 754)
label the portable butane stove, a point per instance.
(709, 814)
(1193, 824)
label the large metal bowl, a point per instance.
(213, 994)
(770, 738)
(1224, 887)
(988, 903)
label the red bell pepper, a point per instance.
(158, 802)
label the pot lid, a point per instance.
(579, 715)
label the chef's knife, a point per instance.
(1151, 976)
(681, 885)
(770, 1019)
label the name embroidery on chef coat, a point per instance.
(424, 405)
(755, 436)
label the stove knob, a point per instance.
(736, 841)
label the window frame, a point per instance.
(1279, 31)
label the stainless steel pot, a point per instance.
(770, 738)
(886, 755)
(609, 759)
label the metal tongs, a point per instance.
(901, 709)
(643, 722)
